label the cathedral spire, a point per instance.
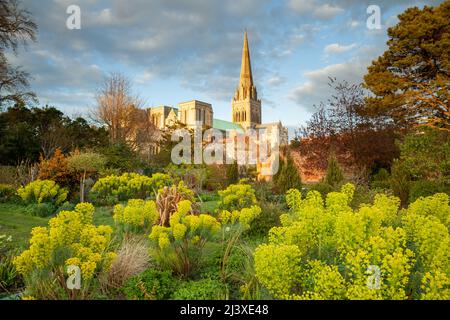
(246, 79)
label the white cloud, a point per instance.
(276, 80)
(316, 89)
(327, 11)
(336, 48)
(321, 11)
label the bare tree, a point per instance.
(117, 107)
(16, 27)
(120, 110)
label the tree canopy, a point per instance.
(410, 82)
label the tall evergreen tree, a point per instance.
(232, 173)
(335, 175)
(411, 80)
(289, 177)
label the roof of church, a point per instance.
(226, 125)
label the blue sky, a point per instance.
(175, 51)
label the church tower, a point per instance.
(246, 108)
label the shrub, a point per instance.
(380, 180)
(324, 250)
(233, 173)
(56, 169)
(269, 217)
(400, 181)
(205, 289)
(426, 154)
(427, 188)
(7, 192)
(335, 175)
(323, 188)
(70, 239)
(236, 197)
(180, 246)
(40, 209)
(137, 216)
(151, 284)
(112, 189)
(43, 191)
(289, 176)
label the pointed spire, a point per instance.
(246, 79)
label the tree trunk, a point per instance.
(82, 181)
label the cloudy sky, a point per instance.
(178, 50)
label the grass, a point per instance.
(15, 223)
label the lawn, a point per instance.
(14, 222)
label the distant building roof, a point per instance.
(226, 125)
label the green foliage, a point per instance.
(236, 197)
(204, 289)
(7, 192)
(193, 176)
(324, 250)
(400, 181)
(323, 188)
(112, 189)
(25, 133)
(137, 216)
(233, 173)
(426, 154)
(10, 279)
(70, 239)
(268, 218)
(289, 176)
(179, 247)
(380, 180)
(44, 209)
(335, 175)
(410, 80)
(120, 156)
(86, 162)
(43, 191)
(424, 188)
(151, 284)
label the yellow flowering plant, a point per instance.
(236, 197)
(69, 240)
(113, 188)
(327, 250)
(137, 216)
(180, 245)
(233, 225)
(43, 191)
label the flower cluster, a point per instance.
(236, 197)
(71, 239)
(327, 250)
(243, 217)
(137, 216)
(43, 191)
(128, 186)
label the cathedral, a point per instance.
(245, 107)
